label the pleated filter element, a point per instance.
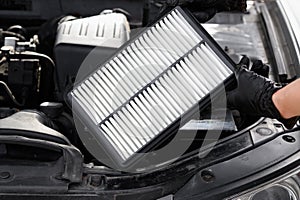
(156, 78)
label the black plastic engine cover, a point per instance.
(31, 124)
(35, 156)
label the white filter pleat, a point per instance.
(159, 76)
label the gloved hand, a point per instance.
(258, 66)
(204, 10)
(253, 95)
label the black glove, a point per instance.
(253, 95)
(204, 10)
(260, 68)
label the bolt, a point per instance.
(96, 181)
(4, 175)
(207, 176)
(264, 131)
(289, 138)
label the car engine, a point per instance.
(33, 85)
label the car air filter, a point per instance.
(149, 85)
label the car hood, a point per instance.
(292, 17)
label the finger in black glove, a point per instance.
(245, 62)
(260, 68)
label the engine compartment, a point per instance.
(29, 76)
(39, 127)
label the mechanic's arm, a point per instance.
(287, 100)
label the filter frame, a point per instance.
(100, 142)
